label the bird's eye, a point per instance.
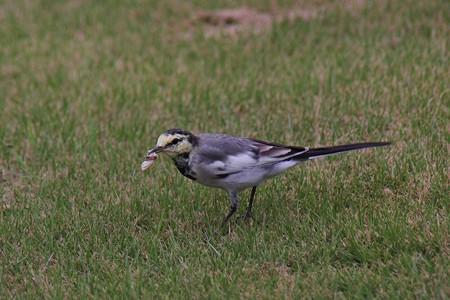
(175, 141)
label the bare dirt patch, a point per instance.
(238, 20)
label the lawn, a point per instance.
(87, 87)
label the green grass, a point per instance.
(87, 86)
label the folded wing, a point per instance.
(222, 155)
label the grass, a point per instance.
(87, 87)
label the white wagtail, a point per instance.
(235, 163)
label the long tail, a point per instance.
(324, 151)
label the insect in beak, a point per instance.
(150, 157)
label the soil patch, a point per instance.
(235, 21)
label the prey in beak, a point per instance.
(150, 157)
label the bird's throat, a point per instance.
(182, 164)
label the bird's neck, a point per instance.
(182, 163)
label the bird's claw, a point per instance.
(247, 215)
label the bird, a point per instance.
(234, 163)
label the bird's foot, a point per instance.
(246, 216)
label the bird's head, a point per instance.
(175, 142)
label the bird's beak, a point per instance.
(156, 150)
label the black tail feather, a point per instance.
(323, 151)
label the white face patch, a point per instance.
(183, 146)
(163, 140)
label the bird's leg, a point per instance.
(234, 204)
(248, 213)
